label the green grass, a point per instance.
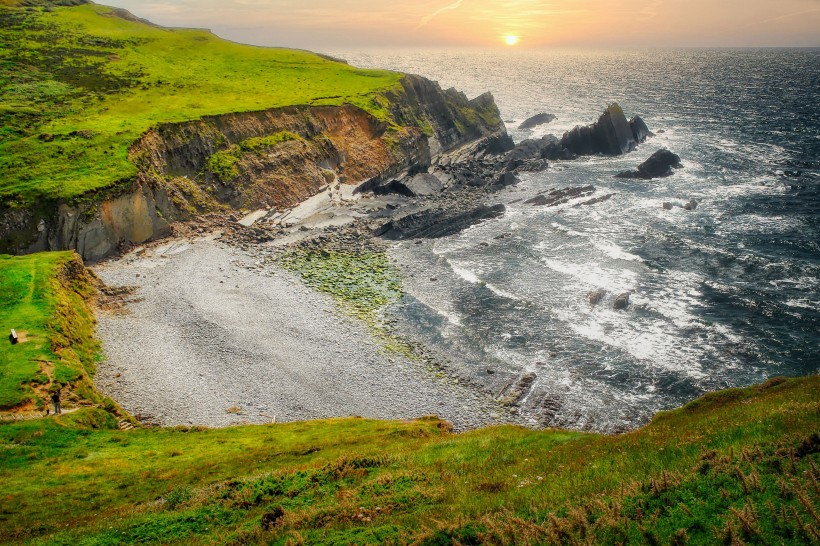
(78, 85)
(44, 297)
(737, 465)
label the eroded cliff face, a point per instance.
(273, 158)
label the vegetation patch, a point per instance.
(739, 467)
(362, 282)
(223, 164)
(45, 297)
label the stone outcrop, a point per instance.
(610, 135)
(273, 159)
(621, 302)
(536, 120)
(431, 223)
(659, 165)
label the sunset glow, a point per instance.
(494, 23)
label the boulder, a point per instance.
(621, 302)
(610, 135)
(691, 205)
(536, 120)
(639, 129)
(496, 144)
(595, 297)
(667, 205)
(659, 165)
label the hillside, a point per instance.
(114, 128)
(734, 467)
(81, 83)
(45, 298)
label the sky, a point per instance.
(335, 24)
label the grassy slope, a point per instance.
(49, 306)
(79, 84)
(737, 464)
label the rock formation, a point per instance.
(268, 159)
(536, 120)
(610, 135)
(659, 165)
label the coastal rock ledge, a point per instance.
(273, 158)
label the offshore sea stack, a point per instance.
(659, 165)
(612, 134)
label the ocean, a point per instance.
(723, 296)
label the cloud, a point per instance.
(427, 18)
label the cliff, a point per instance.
(271, 158)
(124, 126)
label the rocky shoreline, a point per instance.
(194, 296)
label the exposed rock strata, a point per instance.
(178, 177)
(610, 135)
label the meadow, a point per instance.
(80, 83)
(734, 467)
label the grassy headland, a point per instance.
(44, 297)
(738, 466)
(80, 83)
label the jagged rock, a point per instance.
(595, 297)
(411, 186)
(659, 165)
(621, 302)
(639, 129)
(596, 200)
(559, 197)
(496, 144)
(546, 147)
(691, 205)
(432, 223)
(610, 135)
(536, 120)
(513, 393)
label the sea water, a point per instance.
(726, 295)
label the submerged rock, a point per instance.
(621, 302)
(610, 135)
(595, 297)
(659, 165)
(536, 120)
(559, 197)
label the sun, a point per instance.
(510, 40)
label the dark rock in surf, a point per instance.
(610, 135)
(667, 205)
(659, 165)
(691, 205)
(536, 120)
(595, 297)
(434, 223)
(553, 198)
(621, 302)
(639, 129)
